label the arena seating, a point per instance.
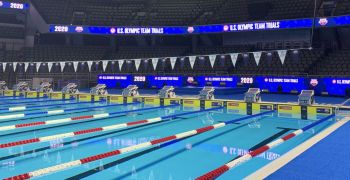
(343, 7)
(336, 63)
(165, 12)
(11, 18)
(53, 11)
(12, 24)
(126, 52)
(11, 32)
(223, 49)
(291, 9)
(2, 56)
(302, 62)
(296, 62)
(63, 53)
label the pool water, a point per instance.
(184, 159)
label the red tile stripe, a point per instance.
(136, 122)
(30, 124)
(214, 173)
(157, 141)
(87, 131)
(17, 143)
(82, 117)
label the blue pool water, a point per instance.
(185, 159)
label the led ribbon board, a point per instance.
(217, 81)
(333, 86)
(204, 29)
(160, 81)
(13, 5)
(114, 81)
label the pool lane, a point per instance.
(88, 117)
(187, 159)
(68, 127)
(145, 133)
(30, 101)
(14, 116)
(4, 110)
(112, 127)
(177, 161)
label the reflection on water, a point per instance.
(268, 155)
(123, 142)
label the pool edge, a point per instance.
(292, 154)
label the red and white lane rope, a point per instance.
(93, 130)
(79, 162)
(77, 133)
(51, 122)
(65, 120)
(59, 111)
(222, 169)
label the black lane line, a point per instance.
(119, 161)
(291, 129)
(193, 145)
(70, 142)
(267, 140)
(125, 159)
(83, 139)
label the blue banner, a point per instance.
(203, 29)
(115, 81)
(333, 86)
(13, 5)
(281, 84)
(160, 81)
(274, 84)
(217, 81)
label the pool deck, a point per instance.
(325, 156)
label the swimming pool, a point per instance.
(185, 158)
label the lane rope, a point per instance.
(233, 163)
(97, 129)
(89, 159)
(77, 118)
(21, 108)
(59, 111)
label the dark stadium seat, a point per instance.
(164, 12)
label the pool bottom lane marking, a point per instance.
(70, 142)
(269, 139)
(125, 159)
(124, 150)
(77, 118)
(97, 129)
(133, 156)
(235, 162)
(80, 140)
